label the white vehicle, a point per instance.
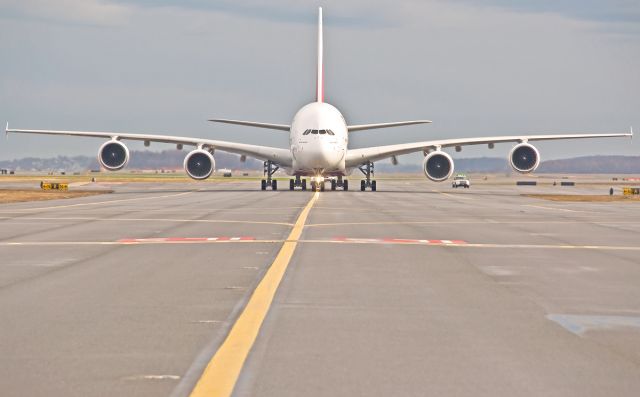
(460, 180)
(318, 146)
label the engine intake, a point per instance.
(199, 164)
(438, 166)
(113, 155)
(524, 158)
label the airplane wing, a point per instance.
(361, 127)
(356, 157)
(277, 155)
(281, 127)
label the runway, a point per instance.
(417, 289)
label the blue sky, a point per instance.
(473, 67)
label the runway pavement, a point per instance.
(416, 289)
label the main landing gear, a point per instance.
(293, 183)
(367, 170)
(269, 169)
(344, 184)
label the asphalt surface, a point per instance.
(416, 289)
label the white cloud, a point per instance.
(85, 12)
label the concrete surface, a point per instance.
(543, 298)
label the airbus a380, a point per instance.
(318, 146)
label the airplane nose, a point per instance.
(319, 156)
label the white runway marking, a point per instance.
(94, 219)
(462, 222)
(455, 196)
(341, 241)
(206, 321)
(554, 208)
(579, 324)
(153, 377)
(100, 202)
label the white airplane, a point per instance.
(318, 146)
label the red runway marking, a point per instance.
(400, 241)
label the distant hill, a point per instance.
(173, 159)
(593, 165)
(167, 159)
(577, 165)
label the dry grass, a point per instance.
(19, 195)
(585, 198)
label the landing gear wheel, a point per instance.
(373, 186)
(363, 185)
(334, 184)
(313, 185)
(322, 187)
(304, 184)
(274, 185)
(345, 185)
(292, 184)
(263, 185)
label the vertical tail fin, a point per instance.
(320, 76)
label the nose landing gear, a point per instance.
(293, 183)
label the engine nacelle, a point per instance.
(113, 155)
(438, 166)
(524, 158)
(199, 164)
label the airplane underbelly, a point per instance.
(327, 157)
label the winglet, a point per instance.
(6, 130)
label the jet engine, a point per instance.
(113, 155)
(438, 166)
(199, 164)
(524, 158)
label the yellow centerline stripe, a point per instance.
(222, 372)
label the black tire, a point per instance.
(373, 186)
(274, 185)
(322, 187)
(263, 185)
(313, 186)
(292, 184)
(304, 184)
(345, 185)
(363, 185)
(334, 184)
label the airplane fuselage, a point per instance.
(318, 140)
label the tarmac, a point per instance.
(416, 289)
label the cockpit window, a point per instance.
(321, 132)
